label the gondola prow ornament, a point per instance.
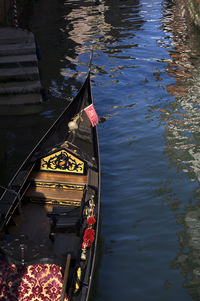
(91, 114)
(72, 125)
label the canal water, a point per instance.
(146, 88)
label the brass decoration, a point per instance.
(62, 161)
(65, 144)
(57, 202)
(59, 186)
(78, 280)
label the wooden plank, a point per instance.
(50, 185)
(43, 176)
(51, 194)
(66, 274)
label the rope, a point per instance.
(15, 17)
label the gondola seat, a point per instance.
(34, 282)
(65, 219)
(56, 188)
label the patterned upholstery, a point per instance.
(41, 282)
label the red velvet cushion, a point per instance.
(41, 282)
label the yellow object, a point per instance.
(59, 186)
(62, 161)
(77, 284)
(35, 282)
(57, 202)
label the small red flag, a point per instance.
(92, 115)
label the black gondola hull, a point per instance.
(50, 210)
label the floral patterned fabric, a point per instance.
(41, 282)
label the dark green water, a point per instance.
(145, 80)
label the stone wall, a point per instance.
(194, 10)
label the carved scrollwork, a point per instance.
(62, 161)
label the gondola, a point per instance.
(49, 213)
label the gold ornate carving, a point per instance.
(59, 186)
(62, 161)
(57, 202)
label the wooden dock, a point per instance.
(19, 74)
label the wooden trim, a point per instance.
(62, 195)
(58, 186)
(66, 274)
(43, 176)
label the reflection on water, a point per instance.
(181, 118)
(145, 81)
(187, 259)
